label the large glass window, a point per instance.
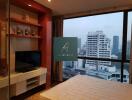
(99, 46)
(126, 73)
(128, 48)
(99, 36)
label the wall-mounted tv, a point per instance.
(27, 60)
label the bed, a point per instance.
(82, 87)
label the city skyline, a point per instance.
(79, 27)
(98, 46)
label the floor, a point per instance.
(35, 97)
(33, 94)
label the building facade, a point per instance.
(115, 49)
(97, 46)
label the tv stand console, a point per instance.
(22, 82)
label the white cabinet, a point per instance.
(22, 82)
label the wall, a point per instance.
(4, 92)
(21, 44)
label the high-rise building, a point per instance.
(98, 46)
(82, 51)
(128, 49)
(68, 64)
(79, 44)
(115, 49)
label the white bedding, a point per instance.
(82, 87)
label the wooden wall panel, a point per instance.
(45, 32)
(3, 29)
(19, 13)
(4, 92)
(21, 44)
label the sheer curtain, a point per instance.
(130, 68)
(57, 66)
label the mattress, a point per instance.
(82, 87)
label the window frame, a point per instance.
(123, 59)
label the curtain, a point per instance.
(56, 74)
(130, 68)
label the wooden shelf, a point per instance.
(23, 36)
(24, 22)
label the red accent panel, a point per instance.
(46, 44)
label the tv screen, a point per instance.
(27, 60)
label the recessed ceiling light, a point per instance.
(49, 0)
(29, 5)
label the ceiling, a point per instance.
(64, 7)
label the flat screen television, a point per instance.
(27, 60)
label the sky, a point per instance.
(110, 24)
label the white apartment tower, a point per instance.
(98, 46)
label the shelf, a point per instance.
(32, 86)
(23, 36)
(24, 22)
(32, 81)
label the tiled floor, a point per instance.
(30, 95)
(35, 97)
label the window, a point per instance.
(126, 73)
(97, 35)
(128, 48)
(100, 46)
